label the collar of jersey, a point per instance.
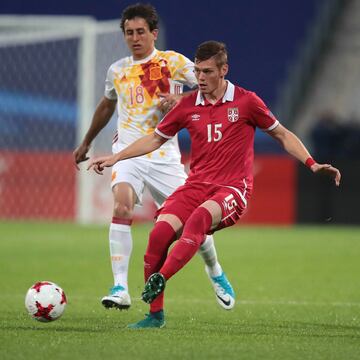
(145, 60)
(228, 96)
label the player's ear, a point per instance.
(155, 33)
(224, 69)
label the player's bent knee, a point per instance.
(160, 238)
(198, 225)
(123, 211)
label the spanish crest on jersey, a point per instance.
(233, 114)
(155, 72)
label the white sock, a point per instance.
(208, 253)
(120, 250)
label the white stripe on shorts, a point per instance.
(242, 195)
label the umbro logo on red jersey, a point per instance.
(195, 117)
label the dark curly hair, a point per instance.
(145, 11)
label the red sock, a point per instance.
(195, 229)
(160, 239)
(117, 220)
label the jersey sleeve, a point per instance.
(184, 70)
(110, 92)
(171, 123)
(260, 114)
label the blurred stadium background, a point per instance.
(302, 58)
(297, 286)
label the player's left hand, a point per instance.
(168, 101)
(99, 163)
(328, 170)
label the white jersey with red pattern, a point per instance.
(222, 135)
(135, 85)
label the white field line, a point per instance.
(239, 302)
(298, 303)
(274, 302)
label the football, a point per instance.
(45, 301)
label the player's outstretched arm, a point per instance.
(139, 147)
(292, 144)
(101, 117)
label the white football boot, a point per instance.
(118, 298)
(224, 292)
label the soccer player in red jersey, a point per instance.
(221, 119)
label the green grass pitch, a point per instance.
(298, 296)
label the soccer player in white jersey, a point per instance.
(143, 86)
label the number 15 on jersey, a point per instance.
(214, 132)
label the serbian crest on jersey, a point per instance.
(233, 114)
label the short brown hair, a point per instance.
(144, 11)
(209, 49)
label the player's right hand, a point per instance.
(99, 163)
(168, 101)
(80, 154)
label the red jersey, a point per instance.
(222, 135)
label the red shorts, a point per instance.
(188, 197)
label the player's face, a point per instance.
(139, 38)
(209, 75)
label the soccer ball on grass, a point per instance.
(45, 301)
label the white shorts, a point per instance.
(161, 179)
